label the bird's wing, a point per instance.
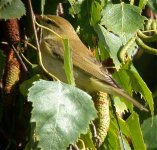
(90, 65)
(82, 58)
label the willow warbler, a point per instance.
(89, 74)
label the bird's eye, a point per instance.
(56, 55)
(49, 21)
(52, 23)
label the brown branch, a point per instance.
(33, 24)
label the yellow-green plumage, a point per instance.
(89, 74)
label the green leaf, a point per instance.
(142, 3)
(135, 132)
(72, 3)
(95, 12)
(9, 12)
(140, 86)
(88, 141)
(120, 105)
(68, 65)
(130, 80)
(101, 52)
(113, 140)
(124, 143)
(27, 84)
(62, 112)
(124, 128)
(124, 80)
(4, 3)
(112, 43)
(149, 132)
(75, 6)
(122, 19)
(152, 5)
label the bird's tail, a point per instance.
(116, 91)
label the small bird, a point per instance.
(89, 74)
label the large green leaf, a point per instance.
(113, 140)
(8, 12)
(112, 43)
(130, 80)
(61, 112)
(149, 132)
(135, 132)
(140, 86)
(130, 129)
(122, 19)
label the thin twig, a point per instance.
(149, 31)
(29, 44)
(26, 60)
(48, 29)
(33, 25)
(37, 42)
(20, 59)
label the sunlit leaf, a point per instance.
(9, 12)
(112, 43)
(142, 3)
(135, 131)
(130, 80)
(4, 3)
(149, 132)
(62, 112)
(122, 19)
